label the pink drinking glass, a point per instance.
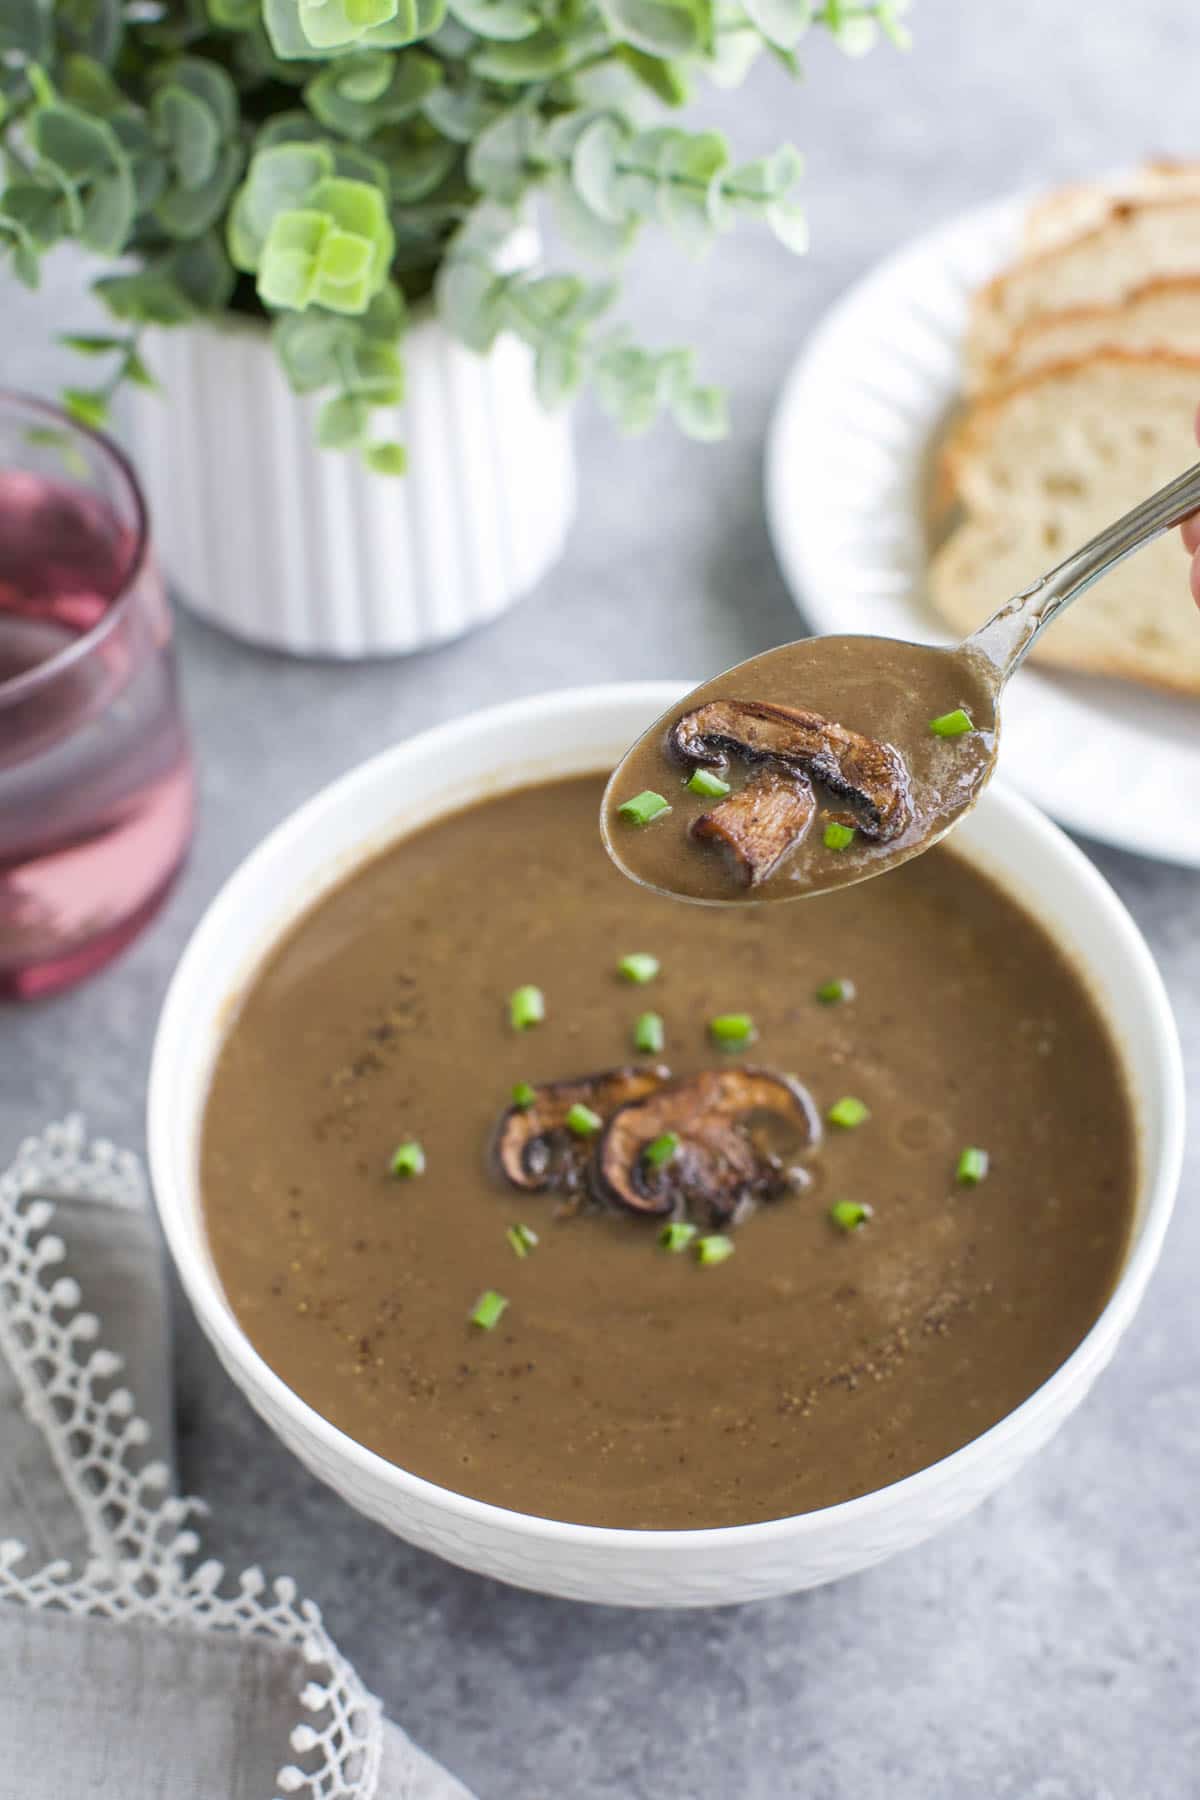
(96, 787)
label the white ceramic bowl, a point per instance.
(567, 733)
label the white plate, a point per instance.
(846, 466)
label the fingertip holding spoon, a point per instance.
(829, 760)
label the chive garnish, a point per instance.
(972, 1166)
(676, 1236)
(583, 1121)
(657, 1154)
(648, 1034)
(703, 781)
(522, 1238)
(644, 807)
(408, 1159)
(848, 1215)
(838, 836)
(526, 1007)
(714, 1249)
(523, 1095)
(831, 993)
(730, 1031)
(952, 724)
(848, 1112)
(639, 967)
(489, 1310)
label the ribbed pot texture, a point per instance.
(306, 550)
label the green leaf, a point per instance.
(86, 83)
(503, 160)
(88, 406)
(537, 58)
(661, 27)
(701, 412)
(690, 194)
(193, 278)
(209, 83)
(668, 81)
(90, 345)
(92, 26)
(185, 213)
(192, 133)
(786, 219)
(36, 211)
(87, 157)
(311, 29)
(629, 386)
(558, 371)
(409, 81)
(416, 161)
(135, 370)
(470, 297)
(768, 178)
(279, 177)
(386, 458)
(461, 113)
(342, 422)
(782, 22)
(146, 162)
(503, 19)
(594, 166)
(594, 236)
(332, 251)
(735, 51)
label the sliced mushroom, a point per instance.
(871, 775)
(535, 1149)
(761, 822)
(738, 1131)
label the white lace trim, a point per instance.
(142, 1548)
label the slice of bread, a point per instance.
(1137, 241)
(1068, 212)
(1043, 465)
(1159, 315)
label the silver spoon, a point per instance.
(900, 694)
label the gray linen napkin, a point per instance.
(129, 1668)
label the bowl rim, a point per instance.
(1160, 1180)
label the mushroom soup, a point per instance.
(807, 768)
(607, 1209)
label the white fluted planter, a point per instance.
(306, 550)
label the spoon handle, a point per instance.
(1008, 635)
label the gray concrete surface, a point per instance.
(1046, 1649)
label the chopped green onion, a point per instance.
(522, 1238)
(408, 1160)
(848, 1113)
(714, 1249)
(952, 724)
(526, 1007)
(848, 1215)
(676, 1236)
(660, 1152)
(731, 1031)
(489, 1310)
(583, 1121)
(639, 967)
(703, 781)
(972, 1167)
(838, 836)
(648, 1034)
(831, 993)
(644, 807)
(523, 1095)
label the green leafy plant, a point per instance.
(324, 164)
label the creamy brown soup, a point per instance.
(626, 1384)
(818, 764)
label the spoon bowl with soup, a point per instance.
(829, 760)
